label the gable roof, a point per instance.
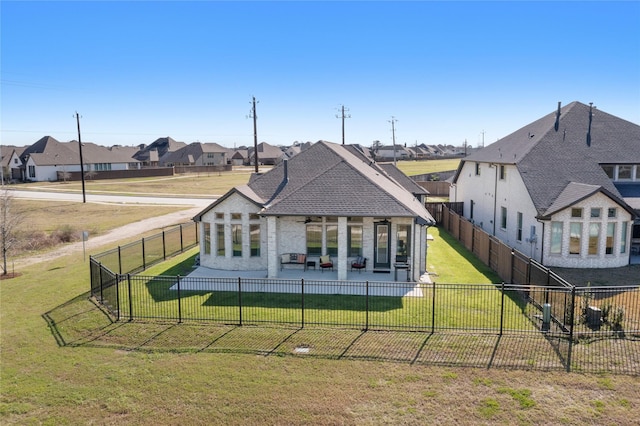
(191, 152)
(575, 192)
(329, 180)
(549, 156)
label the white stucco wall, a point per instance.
(585, 260)
(489, 194)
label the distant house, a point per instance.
(561, 189)
(11, 163)
(197, 154)
(240, 157)
(43, 160)
(149, 155)
(327, 200)
(267, 154)
(386, 153)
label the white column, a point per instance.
(342, 248)
(273, 263)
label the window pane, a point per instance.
(595, 212)
(355, 240)
(556, 237)
(236, 216)
(332, 240)
(236, 234)
(519, 231)
(623, 238)
(255, 239)
(403, 240)
(575, 235)
(608, 169)
(612, 212)
(624, 172)
(314, 240)
(611, 232)
(576, 212)
(207, 237)
(594, 237)
(503, 218)
(220, 239)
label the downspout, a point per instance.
(542, 242)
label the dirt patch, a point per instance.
(606, 277)
(10, 275)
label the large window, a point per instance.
(594, 237)
(236, 235)
(314, 240)
(254, 230)
(611, 232)
(220, 249)
(556, 237)
(207, 237)
(403, 240)
(332, 240)
(575, 237)
(354, 234)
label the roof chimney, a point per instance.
(590, 120)
(557, 125)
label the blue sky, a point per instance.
(447, 71)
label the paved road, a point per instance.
(117, 199)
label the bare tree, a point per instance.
(9, 221)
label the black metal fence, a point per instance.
(137, 256)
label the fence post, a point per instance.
(118, 297)
(181, 240)
(572, 316)
(433, 308)
(502, 309)
(366, 323)
(164, 247)
(130, 301)
(144, 260)
(101, 296)
(240, 300)
(119, 261)
(302, 301)
(179, 301)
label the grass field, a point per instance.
(95, 379)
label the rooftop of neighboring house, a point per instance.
(191, 152)
(328, 179)
(567, 146)
(48, 151)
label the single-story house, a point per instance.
(328, 200)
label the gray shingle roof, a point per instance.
(549, 160)
(329, 180)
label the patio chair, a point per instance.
(360, 263)
(325, 262)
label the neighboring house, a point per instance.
(386, 153)
(149, 155)
(11, 163)
(560, 190)
(328, 199)
(240, 157)
(197, 154)
(267, 155)
(43, 160)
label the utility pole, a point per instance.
(393, 135)
(84, 196)
(343, 116)
(483, 138)
(255, 134)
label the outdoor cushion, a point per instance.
(285, 258)
(325, 260)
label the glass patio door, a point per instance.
(381, 249)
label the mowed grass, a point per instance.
(44, 383)
(458, 305)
